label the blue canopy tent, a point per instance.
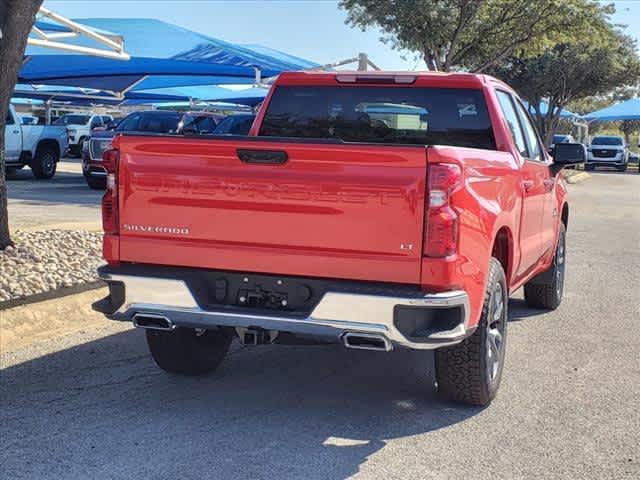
(628, 110)
(162, 56)
(149, 38)
(544, 108)
(83, 97)
(248, 96)
(120, 76)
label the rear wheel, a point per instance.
(188, 351)
(45, 162)
(545, 290)
(470, 371)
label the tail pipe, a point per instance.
(367, 341)
(151, 321)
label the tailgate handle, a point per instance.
(263, 157)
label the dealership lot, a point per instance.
(64, 201)
(88, 402)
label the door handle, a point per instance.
(16, 131)
(527, 185)
(264, 157)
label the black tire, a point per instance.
(45, 162)
(545, 290)
(623, 168)
(96, 183)
(187, 351)
(588, 167)
(470, 372)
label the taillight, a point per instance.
(110, 198)
(441, 220)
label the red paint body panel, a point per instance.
(330, 211)
(336, 210)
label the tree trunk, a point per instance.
(16, 20)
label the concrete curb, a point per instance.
(577, 178)
(51, 294)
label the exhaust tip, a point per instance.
(151, 321)
(367, 341)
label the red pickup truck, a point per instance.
(376, 210)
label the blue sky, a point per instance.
(312, 29)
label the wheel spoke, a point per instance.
(498, 305)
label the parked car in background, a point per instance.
(38, 146)
(376, 210)
(151, 121)
(238, 124)
(607, 151)
(79, 127)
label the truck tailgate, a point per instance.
(330, 210)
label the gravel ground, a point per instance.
(47, 260)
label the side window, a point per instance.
(9, 120)
(130, 123)
(535, 150)
(509, 112)
(205, 125)
(241, 127)
(95, 122)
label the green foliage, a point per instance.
(472, 34)
(568, 72)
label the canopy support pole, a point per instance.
(116, 48)
(47, 112)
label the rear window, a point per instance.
(390, 115)
(606, 141)
(73, 120)
(150, 122)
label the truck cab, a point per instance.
(37, 146)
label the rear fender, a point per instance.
(488, 201)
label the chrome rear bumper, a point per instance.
(336, 314)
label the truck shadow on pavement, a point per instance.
(104, 410)
(518, 310)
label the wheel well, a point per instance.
(48, 143)
(502, 250)
(565, 216)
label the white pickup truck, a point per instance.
(39, 146)
(79, 127)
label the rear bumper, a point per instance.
(425, 321)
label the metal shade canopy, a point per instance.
(118, 77)
(628, 110)
(544, 108)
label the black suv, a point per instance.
(152, 121)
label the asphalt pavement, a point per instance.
(65, 201)
(89, 402)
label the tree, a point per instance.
(16, 20)
(469, 34)
(566, 72)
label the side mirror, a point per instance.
(566, 154)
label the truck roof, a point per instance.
(417, 78)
